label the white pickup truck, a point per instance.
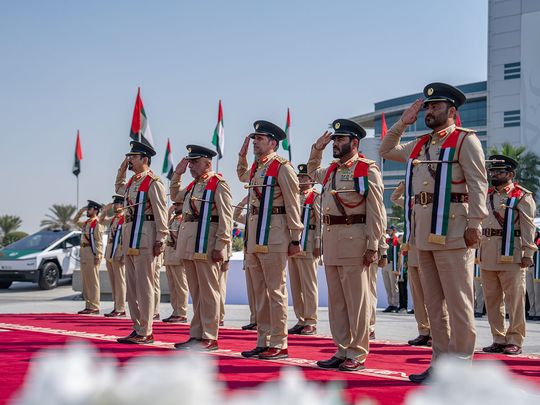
(43, 258)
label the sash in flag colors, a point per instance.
(265, 208)
(408, 198)
(117, 238)
(306, 217)
(443, 191)
(360, 176)
(507, 245)
(536, 259)
(93, 224)
(476, 263)
(205, 214)
(138, 216)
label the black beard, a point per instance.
(497, 182)
(435, 123)
(345, 149)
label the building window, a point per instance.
(511, 118)
(512, 70)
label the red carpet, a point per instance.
(384, 379)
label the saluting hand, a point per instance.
(410, 114)
(181, 167)
(324, 140)
(124, 165)
(245, 146)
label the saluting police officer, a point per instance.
(204, 241)
(353, 215)
(90, 255)
(143, 236)
(114, 254)
(506, 251)
(175, 270)
(446, 180)
(273, 231)
(303, 266)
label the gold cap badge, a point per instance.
(337, 125)
(430, 91)
(189, 150)
(257, 126)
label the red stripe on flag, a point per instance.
(136, 121)
(458, 119)
(78, 148)
(220, 113)
(384, 128)
(288, 118)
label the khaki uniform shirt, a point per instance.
(219, 236)
(152, 231)
(283, 227)
(87, 256)
(112, 223)
(346, 244)
(171, 255)
(524, 246)
(468, 176)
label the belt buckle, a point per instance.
(326, 219)
(423, 197)
(348, 219)
(488, 232)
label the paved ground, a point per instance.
(28, 298)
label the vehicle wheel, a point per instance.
(4, 285)
(48, 278)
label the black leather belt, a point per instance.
(498, 232)
(275, 210)
(344, 220)
(147, 217)
(424, 198)
(195, 218)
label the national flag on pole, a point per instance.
(384, 128)
(140, 128)
(168, 165)
(218, 139)
(458, 119)
(286, 142)
(78, 156)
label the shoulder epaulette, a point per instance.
(282, 160)
(219, 176)
(523, 188)
(466, 130)
(366, 160)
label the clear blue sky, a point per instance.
(69, 65)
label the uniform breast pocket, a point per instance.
(351, 242)
(457, 220)
(278, 231)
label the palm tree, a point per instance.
(62, 217)
(9, 223)
(528, 171)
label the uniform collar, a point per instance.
(306, 192)
(506, 189)
(141, 174)
(445, 132)
(267, 158)
(205, 176)
(349, 162)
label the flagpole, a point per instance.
(217, 165)
(77, 192)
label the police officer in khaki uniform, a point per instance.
(204, 241)
(303, 266)
(90, 254)
(420, 311)
(506, 251)
(353, 215)
(273, 231)
(143, 237)
(449, 204)
(114, 254)
(174, 267)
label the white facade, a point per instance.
(513, 85)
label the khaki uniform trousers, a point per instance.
(419, 305)
(157, 282)
(117, 278)
(251, 297)
(178, 289)
(304, 289)
(534, 308)
(269, 280)
(478, 296)
(222, 293)
(140, 282)
(349, 310)
(505, 288)
(448, 280)
(373, 269)
(90, 279)
(203, 283)
(390, 279)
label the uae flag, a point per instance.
(140, 128)
(384, 128)
(286, 142)
(168, 165)
(78, 156)
(218, 139)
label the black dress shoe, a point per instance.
(422, 377)
(390, 308)
(295, 330)
(334, 362)
(421, 340)
(126, 339)
(255, 352)
(536, 318)
(478, 314)
(494, 348)
(188, 344)
(250, 326)
(411, 311)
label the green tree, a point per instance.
(397, 218)
(9, 223)
(13, 236)
(61, 217)
(528, 171)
